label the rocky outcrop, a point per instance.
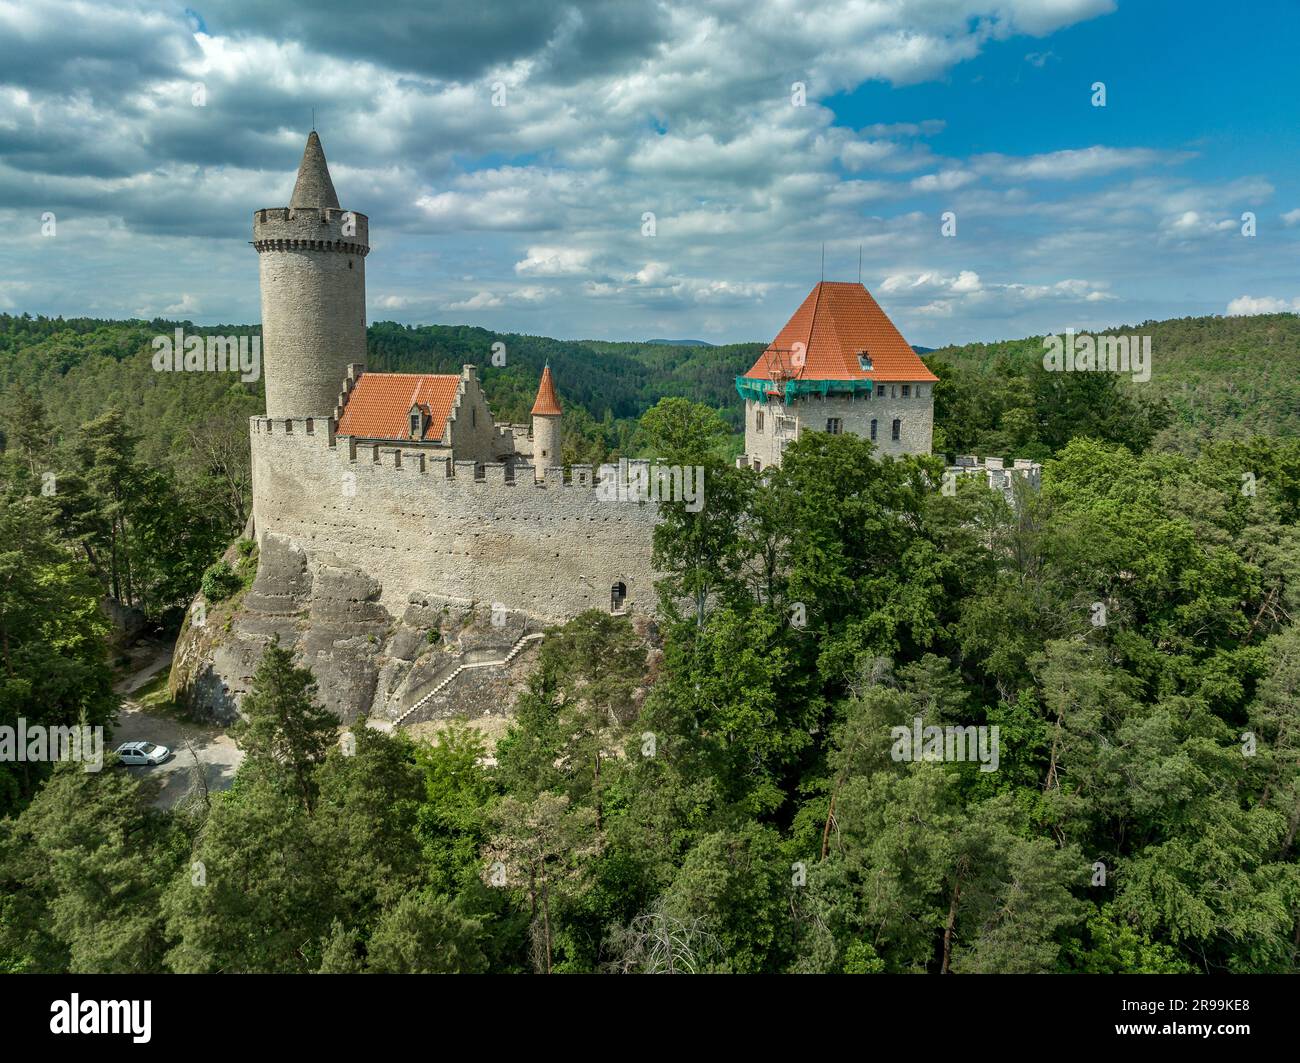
(366, 661)
(125, 622)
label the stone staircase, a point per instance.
(446, 681)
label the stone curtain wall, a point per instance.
(549, 549)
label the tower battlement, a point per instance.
(312, 228)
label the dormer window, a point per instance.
(864, 361)
(417, 422)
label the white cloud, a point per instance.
(1074, 163)
(187, 304)
(555, 262)
(1192, 223)
(964, 283)
(944, 181)
(478, 301)
(10, 289)
(1246, 305)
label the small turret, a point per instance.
(546, 426)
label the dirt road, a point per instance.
(205, 745)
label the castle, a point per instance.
(412, 547)
(408, 477)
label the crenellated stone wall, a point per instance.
(467, 531)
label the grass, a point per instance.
(153, 698)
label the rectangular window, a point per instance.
(880, 391)
(873, 428)
(907, 391)
(898, 429)
(893, 391)
(834, 426)
(758, 421)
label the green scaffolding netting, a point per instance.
(758, 390)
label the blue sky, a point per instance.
(528, 216)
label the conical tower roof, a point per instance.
(314, 189)
(547, 404)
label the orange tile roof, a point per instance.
(380, 404)
(547, 404)
(835, 323)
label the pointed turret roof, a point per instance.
(547, 404)
(314, 189)
(836, 323)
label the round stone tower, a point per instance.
(546, 426)
(312, 256)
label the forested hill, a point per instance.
(1223, 377)
(615, 380)
(80, 366)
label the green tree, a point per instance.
(540, 849)
(425, 933)
(90, 859)
(283, 731)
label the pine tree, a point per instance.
(284, 732)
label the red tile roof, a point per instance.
(835, 323)
(547, 404)
(380, 404)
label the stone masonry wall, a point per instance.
(474, 433)
(549, 549)
(855, 412)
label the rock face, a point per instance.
(366, 661)
(126, 622)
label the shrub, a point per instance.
(219, 582)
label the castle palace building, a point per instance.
(838, 365)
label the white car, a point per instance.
(142, 753)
